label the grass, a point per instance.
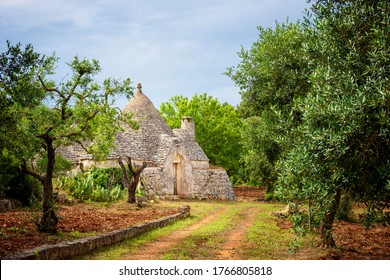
(132, 245)
(264, 238)
(18, 229)
(202, 243)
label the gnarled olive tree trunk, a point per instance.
(327, 222)
(130, 177)
(49, 220)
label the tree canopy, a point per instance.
(217, 127)
(322, 98)
(78, 110)
(272, 75)
(19, 88)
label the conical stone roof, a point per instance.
(146, 114)
(142, 144)
(151, 142)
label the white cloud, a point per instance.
(172, 47)
(28, 14)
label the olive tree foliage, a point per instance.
(78, 110)
(271, 76)
(18, 89)
(260, 153)
(344, 141)
(217, 127)
(334, 131)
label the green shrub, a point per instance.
(107, 177)
(94, 186)
(15, 184)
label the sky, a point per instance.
(172, 47)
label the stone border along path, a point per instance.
(230, 249)
(69, 249)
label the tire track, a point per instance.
(231, 248)
(154, 250)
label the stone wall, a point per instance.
(213, 184)
(154, 181)
(198, 164)
(207, 184)
(70, 249)
(7, 204)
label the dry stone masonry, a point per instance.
(177, 165)
(71, 249)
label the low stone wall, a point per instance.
(67, 250)
(7, 204)
(214, 184)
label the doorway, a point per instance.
(178, 187)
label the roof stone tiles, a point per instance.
(151, 142)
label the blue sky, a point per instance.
(172, 47)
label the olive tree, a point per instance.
(78, 110)
(327, 110)
(272, 75)
(343, 144)
(19, 90)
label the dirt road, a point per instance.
(153, 250)
(229, 250)
(246, 230)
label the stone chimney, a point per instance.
(187, 123)
(139, 88)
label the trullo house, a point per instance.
(176, 164)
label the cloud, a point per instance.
(172, 47)
(30, 14)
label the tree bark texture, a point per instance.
(327, 222)
(49, 220)
(130, 178)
